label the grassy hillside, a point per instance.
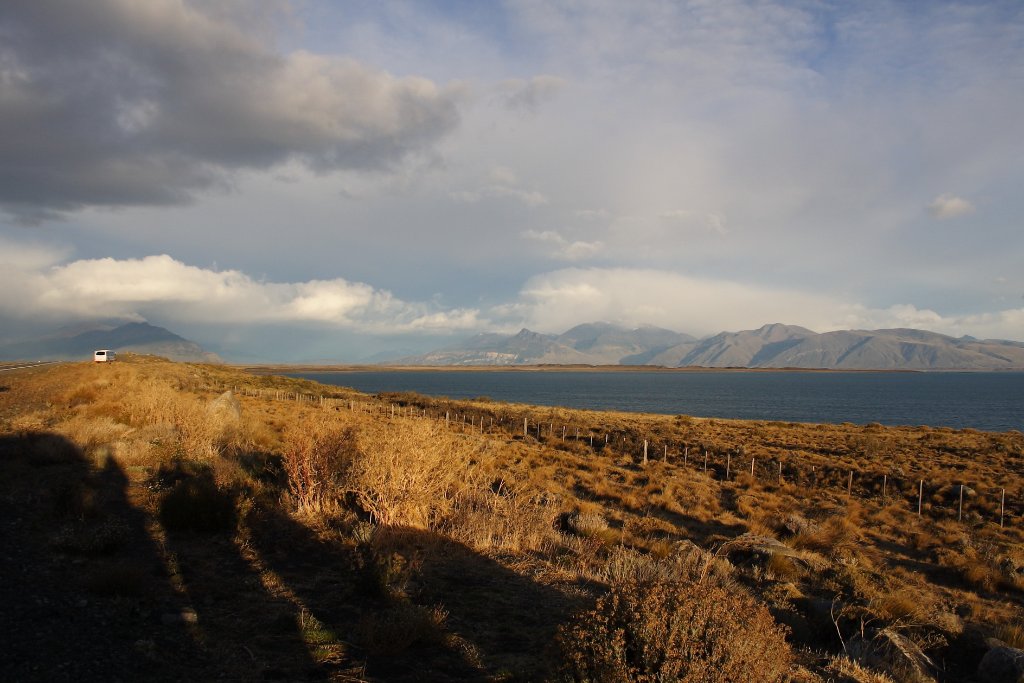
(157, 527)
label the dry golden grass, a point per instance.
(543, 511)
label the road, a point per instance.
(4, 367)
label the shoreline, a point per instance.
(278, 368)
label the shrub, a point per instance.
(409, 473)
(316, 454)
(675, 631)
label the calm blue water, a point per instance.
(989, 401)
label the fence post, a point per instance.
(885, 480)
(524, 428)
(1002, 506)
(780, 473)
(705, 461)
(920, 496)
(645, 451)
(960, 509)
(665, 457)
(728, 465)
(849, 486)
(752, 467)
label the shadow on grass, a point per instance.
(97, 584)
(415, 605)
(82, 585)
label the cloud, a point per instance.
(949, 206)
(564, 249)
(711, 221)
(160, 287)
(504, 184)
(114, 103)
(527, 95)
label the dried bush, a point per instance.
(587, 523)
(409, 473)
(316, 455)
(391, 631)
(511, 521)
(846, 670)
(675, 631)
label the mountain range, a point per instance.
(78, 344)
(771, 346)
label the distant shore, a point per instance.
(273, 369)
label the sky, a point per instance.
(346, 180)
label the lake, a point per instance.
(980, 400)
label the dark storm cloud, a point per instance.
(118, 102)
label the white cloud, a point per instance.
(949, 206)
(564, 249)
(503, 184)
(164, 288)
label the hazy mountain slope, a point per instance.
(898, 348)
(136, 337)
(526, 347)
(589, 344)
(608, 344)
(771, 346)
(749, 348)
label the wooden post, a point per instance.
(686, 455)
(920, 496)
(849, 486)
(780, 473)
(960, 510)
(577, 433)
(563, 432)
(665, 457)
(591, 440)
(606, 439)
(752, 467)
(1002, 507)
(705, 461)
(447, 417)
(645, 451)
(524, 428)
(728, 464)
(885, 480)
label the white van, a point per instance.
(104, 356)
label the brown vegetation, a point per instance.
(292, 530)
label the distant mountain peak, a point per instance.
(140, 337)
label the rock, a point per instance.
(226, 406)
(797, 524)
(1002, 664)
(894, 654)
